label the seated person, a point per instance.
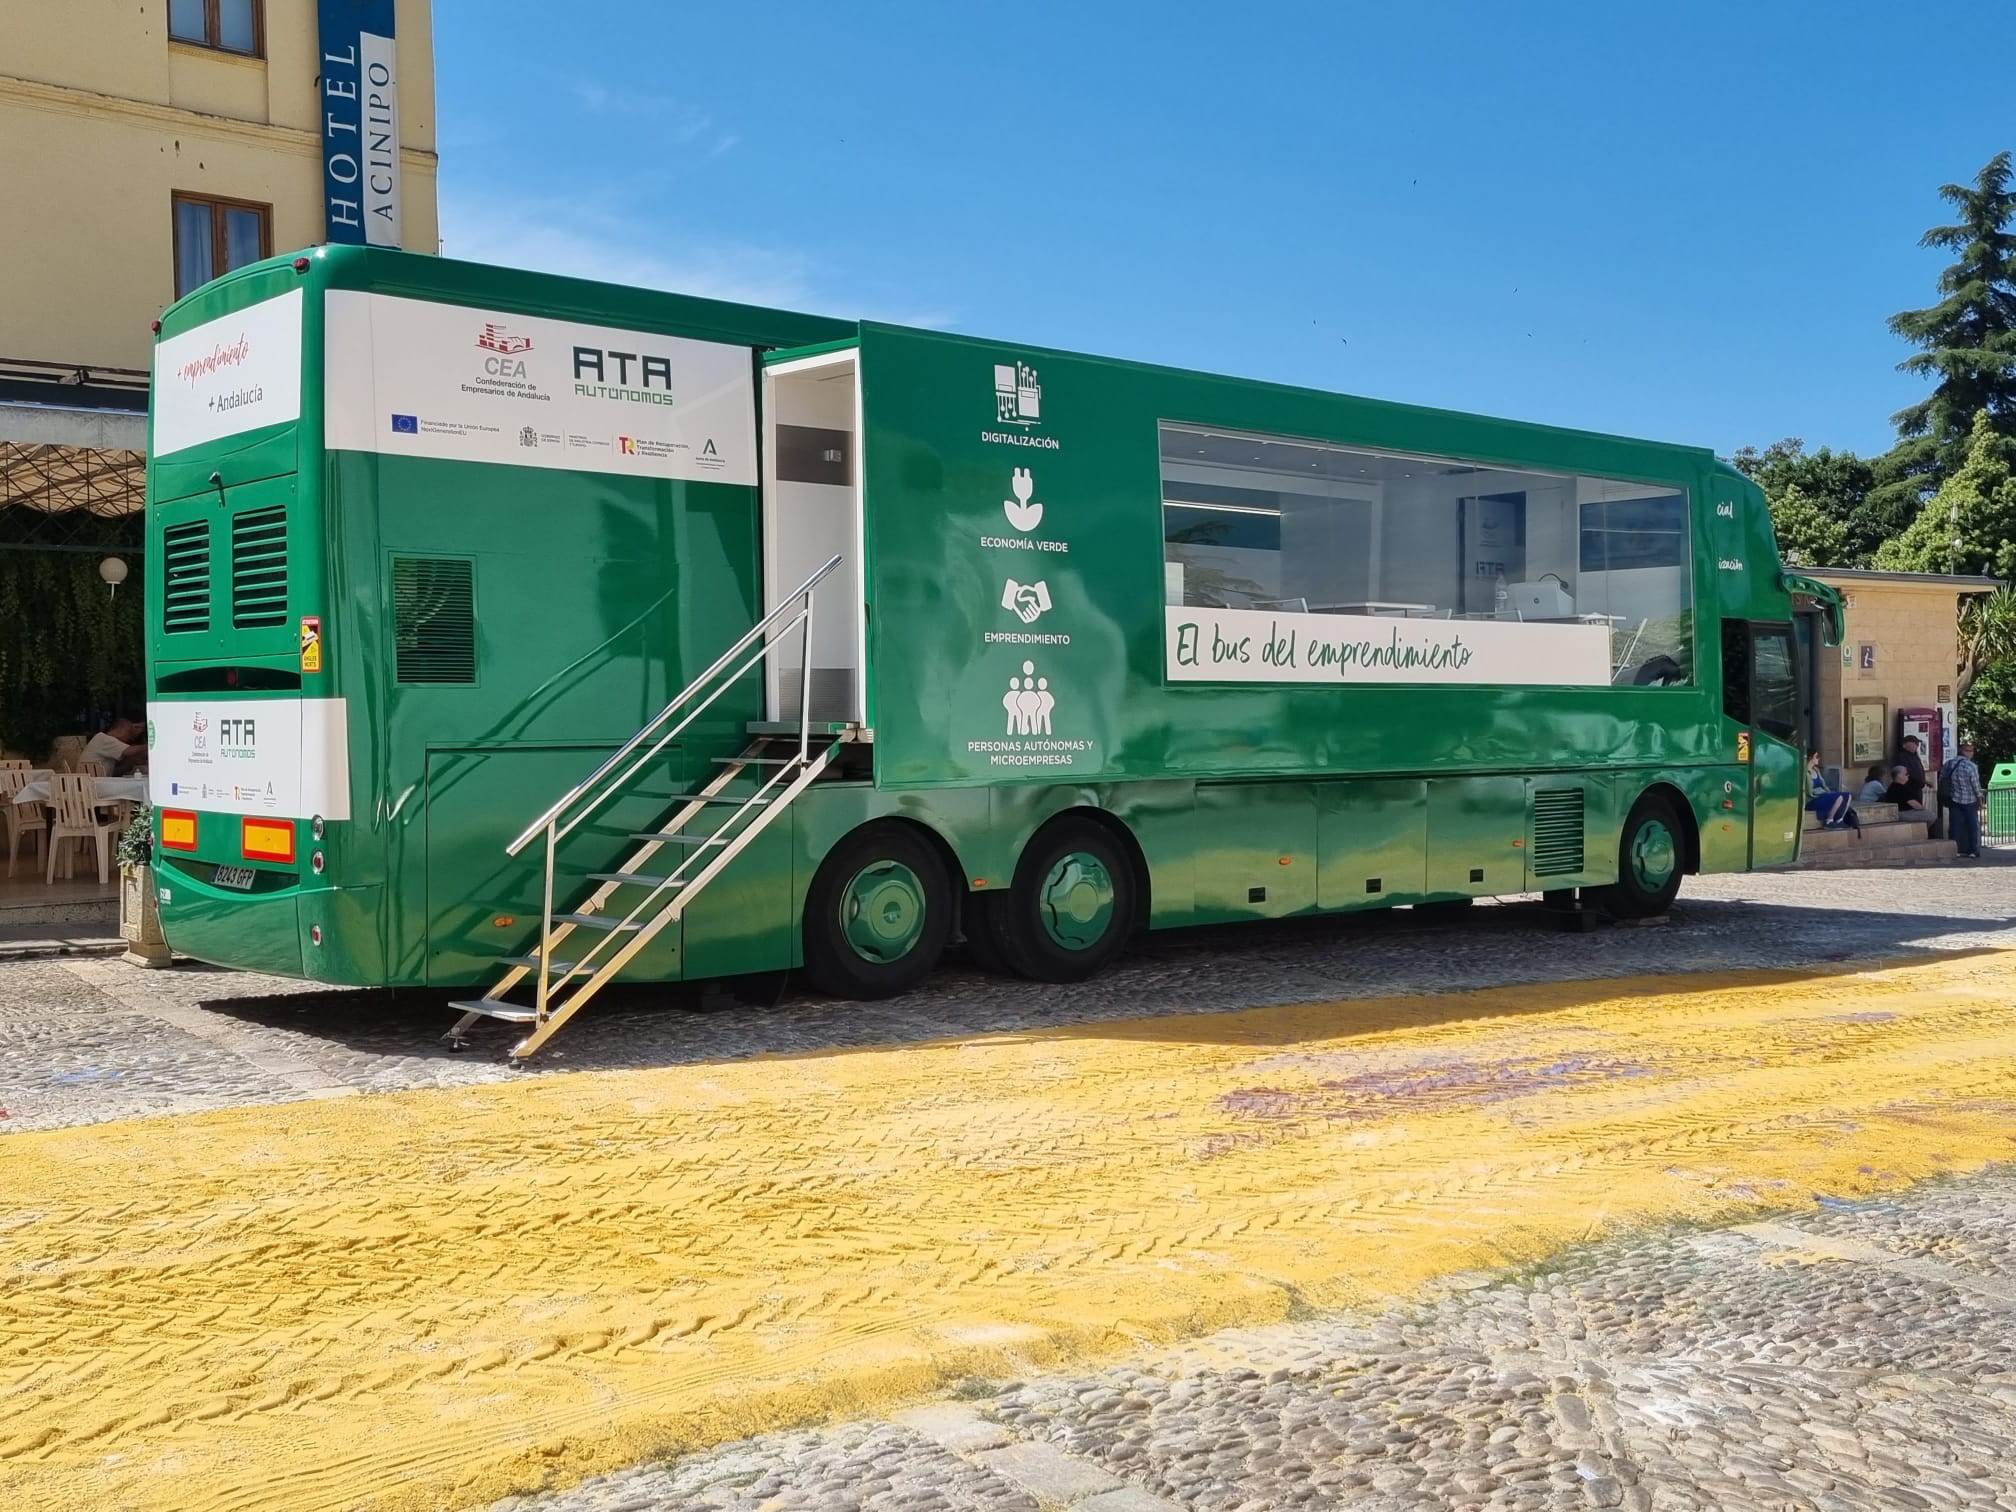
(1874, 786)
(120, 748)
(1913, 763)
(1833, 807)
(1902, 791)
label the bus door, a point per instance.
(1760, 690)
(812, 511)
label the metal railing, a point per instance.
(592, 792)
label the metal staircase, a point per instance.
(782, 765)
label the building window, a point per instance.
(214, 236)
(227, 25)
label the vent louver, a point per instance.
(434, 619)
(185, 577)
(259, 568)
(1557, 832)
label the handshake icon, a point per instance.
(1028, 600)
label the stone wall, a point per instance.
(1907, 629)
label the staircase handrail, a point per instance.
(802, 591)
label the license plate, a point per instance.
(240, 877)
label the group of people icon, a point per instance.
(1028, 702)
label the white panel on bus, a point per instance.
(410, 377)
(229, 375)
(288, 758)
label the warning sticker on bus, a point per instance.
(311, 644)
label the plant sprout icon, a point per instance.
(1022, 514)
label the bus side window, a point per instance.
(1736, 670)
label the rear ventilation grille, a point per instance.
(259, 568)
(434, 619)
(185, 577)
(1557, 833)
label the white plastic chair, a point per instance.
(20, 818)
(74, 816)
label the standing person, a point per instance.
(1913, 763)
(1834, 808)
(1962, 779)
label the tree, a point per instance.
(1807, 535)
(1987, 639)
(1900, 480)
(1969, 336)
(1834, 487)
(1988, 715)
(1969, 525)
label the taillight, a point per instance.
(267, 840)
(178, 829)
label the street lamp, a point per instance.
(113, 571)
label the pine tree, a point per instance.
(1976, 508)
(1969, 337)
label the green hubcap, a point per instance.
(1077, 900)
(882, 911)
(1654, 855)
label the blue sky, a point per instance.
(1682, 222)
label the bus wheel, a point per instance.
(1071, 907)
(1650, 859)
(878, 914)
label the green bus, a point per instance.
(517, 633)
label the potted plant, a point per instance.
(139, 908)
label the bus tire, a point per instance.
(878, 914)
(1071, 908)
(1651, 857)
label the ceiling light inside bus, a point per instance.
(1254, 509)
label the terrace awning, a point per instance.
(72, 438)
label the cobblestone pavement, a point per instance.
(88, 1040)
(430, 1298)
(1859, 1357)
(490, 1280)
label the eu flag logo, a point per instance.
(406, 425)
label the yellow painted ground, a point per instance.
(429, 1299)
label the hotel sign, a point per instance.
(360, 122)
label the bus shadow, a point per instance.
(1174, 985)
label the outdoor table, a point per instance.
(104, 790)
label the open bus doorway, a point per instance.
(811, 513)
